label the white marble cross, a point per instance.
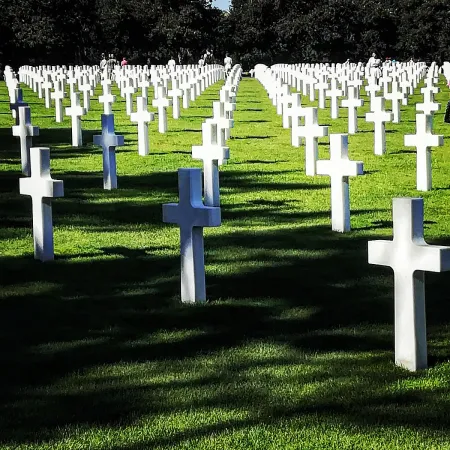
(379, 117)
(429, 90)
(186, 86)
(212, 152)
(128, 92)
(220, 118)
(230, 102)
(352, 103)
(75, 111)
(311, 131)
(423, 140)
(144, 84)
(107, 98)
(162, 103)
(42, 188)
(339, 168)
(372, 89)
(191, 215)
(142, 117)
(396, 95)
(175, 93)
(25, 131)
(334, 93)
(282, 96)
(322, 86)
(410, 257)
(294, 111)
(85, 88)
(428, 106)
(58, 95)
(109, 140)
(47, 86)
(18, 102)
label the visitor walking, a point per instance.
(227, 61)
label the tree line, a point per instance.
(56, 32)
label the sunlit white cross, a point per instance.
(230, 102)
(212, 152)
(85, 88)
(352, 103)
(396, 95)
(379, 117)
(191, 215)
(322, 86)
(410, 257)
(75, 111)
(107, 98)
(58, 95)
(175, 93)
(162, 103)
(186, 86)
(219, 118)
(25, 131)
(42, 188)
(334, 93)
(293, 112)
(109, 140)
(18, 102)
(144, 84)
(339, 168)
(428, 106)
(128, 92)
(372, 89)
(423, 140)
(310, 131)
(282, 93)
(47, 86)
(142, 117)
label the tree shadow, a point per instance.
(258, 161)
(254, 121)
(399, 152)
(251, 137)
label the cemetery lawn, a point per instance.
(294, 349)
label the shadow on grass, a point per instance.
(254, 121)
(258, 161)
(99, 339)
(399, 152)
(251, 137)
(96, 313)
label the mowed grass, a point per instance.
(294, 348)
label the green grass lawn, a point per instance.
(295, 347)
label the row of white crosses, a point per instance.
(108, 140)
(36, 162)
(423, 140)
(408, 254)
(195, 79)
(37, 183)
(192, 213)
(339, 167)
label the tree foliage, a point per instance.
(254, 31)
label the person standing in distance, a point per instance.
(227, 61)
(171, 64)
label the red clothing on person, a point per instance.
(124, 62)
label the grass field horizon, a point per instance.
(294, 348)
